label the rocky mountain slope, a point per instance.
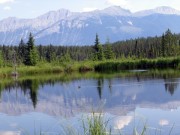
(64, 27)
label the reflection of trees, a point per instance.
(138, 77)
(27, 86)
(1, 89)
(110, 85)
(171, 85)
(7, 86)
(100, 83)
(33, 86)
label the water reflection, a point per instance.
(100, 83)
(118, 91)
(120, 95)
(171, 85)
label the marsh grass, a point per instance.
(86, 66)
(96, 125)
(160, 63)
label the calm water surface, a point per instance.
(31, 106)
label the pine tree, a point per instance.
(30, 42)
(99, 53)
(31, 52)
(1, 59)
(109, 54)
(96, 43)
(136, 49)
(40, 50)
(21, 50)
(163, 46)
(170, 41)
(33, 56)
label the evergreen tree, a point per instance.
(31, 52)
(30, 42)
(170, 41)
(41, 52)
(21, 50)
(109, 54)
(163, 46)
(1, 59)
(97, 43)
(33, 56)
(136, 48)
(168, 37)
(100, 53)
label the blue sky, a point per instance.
(34, 8)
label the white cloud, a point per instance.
(121, 122)
(122, 3)
(163, 122)
(5, 1)
(7, 8)
(88, 9)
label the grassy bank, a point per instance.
(161, 63)
(99, 66)
(48, 68)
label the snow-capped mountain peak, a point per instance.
(76, 28)
(116, 10)
(159, 10)
(166, 10)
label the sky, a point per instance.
(34, 8)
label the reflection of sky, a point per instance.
(159, 119)
(155, 120)
(151, 99)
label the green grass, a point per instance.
(160, 63)
(95, 125)
(99, 66)
(44, 68)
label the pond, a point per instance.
(53, 104)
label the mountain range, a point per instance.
(64, 27)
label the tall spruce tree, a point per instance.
(170, 41)
(109, 54)
(31, 55)
(21, 50)
(97, 43)
(99, 53)
(163, 46)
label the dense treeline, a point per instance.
(152, 47)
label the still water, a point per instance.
(128, 102)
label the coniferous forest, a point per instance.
(29, 54)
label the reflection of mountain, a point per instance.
(119, 96)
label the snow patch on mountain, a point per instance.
(130, 23)
(159, 10)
